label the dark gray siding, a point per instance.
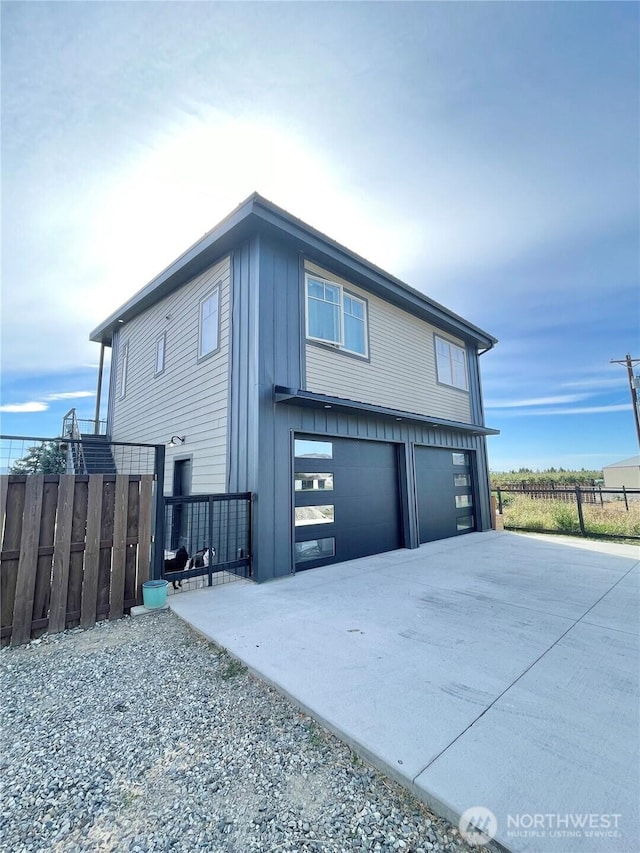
(268, 350)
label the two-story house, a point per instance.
(348, 403)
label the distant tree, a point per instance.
(46, 458)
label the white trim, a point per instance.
(215, 291)
(447, 368)
(124, 368)
(161, 350)
(339, 344)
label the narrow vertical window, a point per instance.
(209, 316)
(124, 366)
(160, 353)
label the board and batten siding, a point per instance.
(189, 397)
(401, 370)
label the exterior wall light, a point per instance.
(177, 439)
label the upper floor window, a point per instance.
(124, 367)
(335, 316)
(451, 364)
(209, 325)
(160, 352)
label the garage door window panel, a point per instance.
(314, 482)
(308, 448)
(318, 514)
(315, 549)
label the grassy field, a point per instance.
(612, 519)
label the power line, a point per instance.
(634, 386)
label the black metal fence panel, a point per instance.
(591, 511)
(207, 536)
(91, 454)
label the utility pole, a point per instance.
(634, 386)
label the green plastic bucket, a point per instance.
(154, 594)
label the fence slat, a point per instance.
(106, 551)
(76, 563)
(89, 598)
(130, 590)
(25, 582)
(42, 593)
(145, 514)
(119, 553)
(61, 555)
(11, 542)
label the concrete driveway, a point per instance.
(493, 671)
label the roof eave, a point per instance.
(257, 213)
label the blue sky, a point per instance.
(485, 153)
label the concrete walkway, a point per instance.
(492, 670)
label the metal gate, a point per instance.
(215, 533)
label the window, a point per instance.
(459, 459)
(335, 316)
(463, 501)
(461, 480)
(307, 448)
(450, 362)
(160, 349)
(313, 482)
(314, 515)
(315, 549)
(209, 312)
(124, 366)
(465, 522)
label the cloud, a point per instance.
(537, 401)
(70, 395)
(578, 410)
(19, 408)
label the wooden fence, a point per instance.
(75, 549)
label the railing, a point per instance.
(73, 427)
(20, 454)
(218, 526)
(590, 511)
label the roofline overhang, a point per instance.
(311, 400)
(257, 215)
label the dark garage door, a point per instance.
(346, 500)
(445, 493)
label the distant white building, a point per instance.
(625, 473)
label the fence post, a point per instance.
(210, 505)
(157, 557)
(626, 502)
(499, 501)
(580, 515)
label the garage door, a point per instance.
(445, 493)
(346, 500)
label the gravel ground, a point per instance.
(138, 735)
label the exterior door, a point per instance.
(346, 500)
(445, 492)
(181, 487)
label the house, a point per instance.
(347, 402)
(625, 473)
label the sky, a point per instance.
(485, 153)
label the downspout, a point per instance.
(96, 425)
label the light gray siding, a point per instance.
(401, 370)
(190, 397)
